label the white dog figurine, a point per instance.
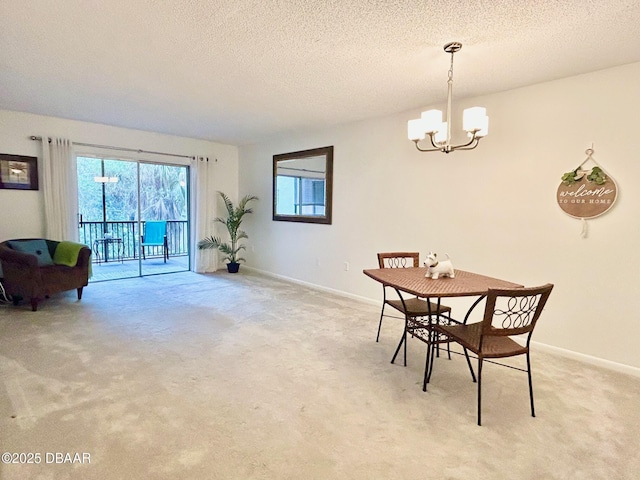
(436, 267)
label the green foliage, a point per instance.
(569, 178)
(163, 191)
(597, 176)
(164, 195)
(232, 223)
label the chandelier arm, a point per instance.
(473, 139)
(470, 145)
(436, 149)
(465, 148)
(432, 136)
(473, 143)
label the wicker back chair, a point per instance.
(507, 313)
(410, 308)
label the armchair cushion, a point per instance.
(37, 247)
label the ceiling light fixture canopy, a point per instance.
(474, 121)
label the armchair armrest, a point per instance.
(21, 272)
(84, 257)
(19, 259)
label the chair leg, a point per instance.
(426, 368)
(533, 412)
(80, 293)
(380, 322)
(405, 347)
(479, 390)
(34, 304)
(473, 375)
(405, 342)
(432, 356)
(403, 339)
(165, 252)
(431, 353)
(449, 342)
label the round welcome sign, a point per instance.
(586, 193)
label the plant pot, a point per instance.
(233, 267)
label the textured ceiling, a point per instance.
(241, 71)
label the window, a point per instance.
(300, 195)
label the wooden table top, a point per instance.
(414, 282)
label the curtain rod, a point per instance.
(122, 149)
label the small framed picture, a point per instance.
(18, 172)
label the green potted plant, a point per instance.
(232, 222)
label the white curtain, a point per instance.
(202, 215)
(60, 185)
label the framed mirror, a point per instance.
(303, 186)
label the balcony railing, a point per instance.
(177, 237)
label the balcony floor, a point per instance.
(113, 270)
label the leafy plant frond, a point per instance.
(227, 249)
(242, 206)
(227, 203)
(209, 242)
(232, 222)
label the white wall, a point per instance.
(22, 212)
(493, 209)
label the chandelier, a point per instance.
(106, 179)
(474, 121)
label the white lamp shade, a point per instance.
(472, 118)
(441, 134)
(484, 127)
(415, 129)
(432, 121)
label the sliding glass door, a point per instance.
(134, 216)
(164, 218)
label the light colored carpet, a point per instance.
(246, 377)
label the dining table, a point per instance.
(414, 281)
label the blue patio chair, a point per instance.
(155, 235)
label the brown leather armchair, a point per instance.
(25, 279)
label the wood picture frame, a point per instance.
(18, 172)
(303, 186)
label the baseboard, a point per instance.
(314, 286)
(581, 357)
